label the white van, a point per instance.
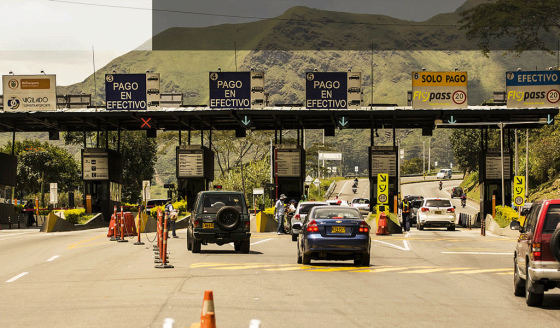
(444, 173)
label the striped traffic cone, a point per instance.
(207, 317)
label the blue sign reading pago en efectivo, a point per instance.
(326, 90)
(230, 90)
(532, 89)
(126, 91)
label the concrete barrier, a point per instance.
(493, 227)
(266, 223)
(55, 224)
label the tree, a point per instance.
(42, 163)
(412, 166)
(312, 157)
(466, 148)
(530, 24)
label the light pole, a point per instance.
(424, 158)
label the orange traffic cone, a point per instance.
(382, 226)
(207, 317)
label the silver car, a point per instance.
(301, 212)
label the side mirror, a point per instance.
(296, 225)
(455, 207)
(514, 225)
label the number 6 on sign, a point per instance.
(382, 188)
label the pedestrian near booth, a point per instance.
(405, 215)
(279, 213)
(172, 216)
(29, 207)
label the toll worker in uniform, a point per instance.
(279, 213)
(405, 215)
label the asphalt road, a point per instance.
(430, 278)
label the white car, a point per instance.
(444, 173)
(361, 204)
(301, 213)
(436, 212)
(337, 202)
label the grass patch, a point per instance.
(470, 184)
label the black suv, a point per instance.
(457, 192)
(219, 217)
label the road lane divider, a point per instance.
(262, 241)
(17, 277)
(53, 258)
(479, 253)
(404, 248)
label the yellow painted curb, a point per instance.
(143, 222)
(51, 221)
(261, 221)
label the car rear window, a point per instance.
(305, 208)
(336, 212)
(416, 203)
(552, 219)
(438, 203)
(213, 203)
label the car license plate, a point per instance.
(338, 229)
(437, 212)
(208, 225)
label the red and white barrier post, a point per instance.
(159, 237)
(122, 227)
(163, 250)
(114, 237)
(139, 227)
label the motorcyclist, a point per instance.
(440, 184)
(464, 199)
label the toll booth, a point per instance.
(102, 173)
(8, 179)
(383, 160)
(491, 180)
(289, 171)
(194, 170)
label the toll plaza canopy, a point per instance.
(269, 118)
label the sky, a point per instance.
(62, 36)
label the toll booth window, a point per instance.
(213, 203)
(115, 191)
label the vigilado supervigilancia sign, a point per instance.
(29, 93)
(439, 90)
(533, 89)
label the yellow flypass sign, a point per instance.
(383, 188)
(519, 190)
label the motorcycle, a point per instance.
(440, 186)
(354, 189)
(463, 202)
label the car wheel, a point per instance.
(306, 258)
(298, 256)
(196, 246)
(420, 226)
(532, 299)
(227, 218)
(518, 282)
(555, 244)
(244, 246)
(189, 241)
(452, 228)
(294, 237)
(364, 261)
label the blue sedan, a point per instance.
(334, 233)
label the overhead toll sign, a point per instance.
(132, 91)
(243, 90)
(333, 90)
(533, 89)
(439, 90)
(26, 93)
(190, 163)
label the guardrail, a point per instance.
(330, 190)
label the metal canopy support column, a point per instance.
(502, 154)
(106, 139)
(179, 136)
(201, 136)
(119, 139)
(189, 134)
(14, 140)
(85, 135)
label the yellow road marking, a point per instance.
(480, 271)
(381, 270)
(244, 267)
(79, 244)
(293, 268)
(334, 269)
(503, 273)
(204, 265)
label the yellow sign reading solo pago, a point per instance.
(439, 90)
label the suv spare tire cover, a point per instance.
(555, 244)
(227, 218)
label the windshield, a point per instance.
(336, 213)
(438, 203)
(213, 203)
(305, 208)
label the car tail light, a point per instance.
(297, 217)
(364, 228)
(312, 226)
(197, 223)
(247, 225)
(450, 210)
(536, 252)
(425, 209)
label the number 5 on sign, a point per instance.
(519, 190)
(383, 188)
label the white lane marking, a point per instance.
(478, 253)
(405, 248)
(17, 277)
(261, 241)
(341, 190)
(53, 258)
